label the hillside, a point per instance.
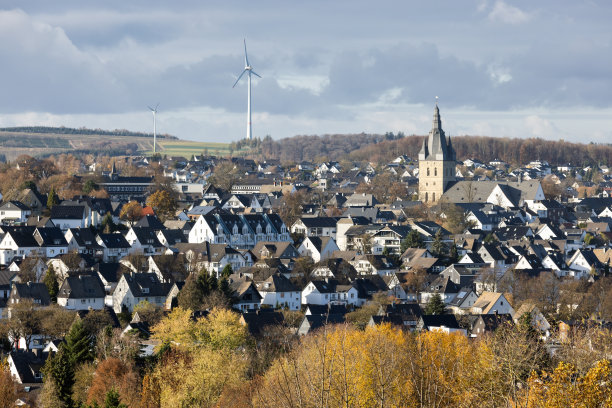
(384, 148)
(44, 141)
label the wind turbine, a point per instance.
(249, 70)
(154, 111)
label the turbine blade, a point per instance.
(255, 73)
(156, 106)
(150, 108)
(246, 56)
(239, 77)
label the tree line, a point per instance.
(62, 130)
(384, 148)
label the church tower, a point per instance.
(437, 160)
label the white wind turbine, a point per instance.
(154, 111)
(249, 70)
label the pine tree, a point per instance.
(52, 199)
(190, 296)
(227, 271)
(50, 282)
(435, 306)
(454, 254)
(112, 400)
(79, 344)
(60, 370)
(437, 246)
(412, 240)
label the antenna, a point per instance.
(154, 111)
(248, 69)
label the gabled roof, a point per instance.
(146, 285)
(150, 221)
(110, 271)
(446, 320)
(67, 212)
(84, 237)
(276, 283)
(256, 321)
(14, 205)
(32, 290)
(114, 241)
(486, 301)
(28, 364)
(173, 236)
(82, 287)
(22, 236)
(318, 222)
(492, 322)
(50, 236)
(146, 236)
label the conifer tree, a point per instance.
(52, 199)
(50, 282)
(79, 344)
(60, 370)
(435, 306)
(112, 400)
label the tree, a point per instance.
(456, 219)
(227, 271)
(52, 199)
(191, 295)
(412, 240)
(9, 388)
(148, 312)
(435, 305)
(79, 344)
(163, 203)
(50, 282)
(131, 212)
(438, 247)
(108, 225)
(60, 370)
(24, 322)
(113, 374)
(89, 186)
(112, 400)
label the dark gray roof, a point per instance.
(67, 212)
(32, 290)
(114, 241)
(150, 221)
(82, 287)
(146, 285)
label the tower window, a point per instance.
(433, 196)
(428, 171)
(426, 195)
(436, 171)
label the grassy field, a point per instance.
(187, 148)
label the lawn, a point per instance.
(186, 148)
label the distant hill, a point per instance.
(384, 148)
(62, 130)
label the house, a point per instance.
(324, 292)
(83, 240)
(170, 237)
(81, 292)
(144, 240)
(463, 302)
(69, 216)
(281, 250)
(278, 291)
(536, 318)
(318, 248)
(443, 323)
(311, 323)
(51, 242)
(26, 367)
(492, 303)
(584, 262)
(443, 286)
(374, 265)
(315, 227)
(488, 323)
(258, 320)
(246, 295)
(17, 242)
(133, 288)
(14, 212)
(33, 291)
(114, 246)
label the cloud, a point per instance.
(505, 13)
(540, 127)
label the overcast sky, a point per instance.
(513, 68)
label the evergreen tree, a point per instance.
(437, 246)
(435, 305)
(60, 370)
(112, 400)
(224, 287)
(454, 254)
(190, 297)
(50, 282)
(412, 240)
(52, 199)
(227, 271)
(79, 344)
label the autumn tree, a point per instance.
(131, 212)
(113, 374)
(52, 199)
(9, 388)
(24, 322)
(163, 203)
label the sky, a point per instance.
(499, 68)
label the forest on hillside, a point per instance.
(62, 130)
(384, 148)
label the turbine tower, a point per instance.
(154, 111)
(249, 70)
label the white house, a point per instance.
(13, 212)
(82, 292)
(318, 248)
(278, 291)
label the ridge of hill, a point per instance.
(63, 130)
(384, 148)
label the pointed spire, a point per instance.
(114, 169)
(437, 123)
